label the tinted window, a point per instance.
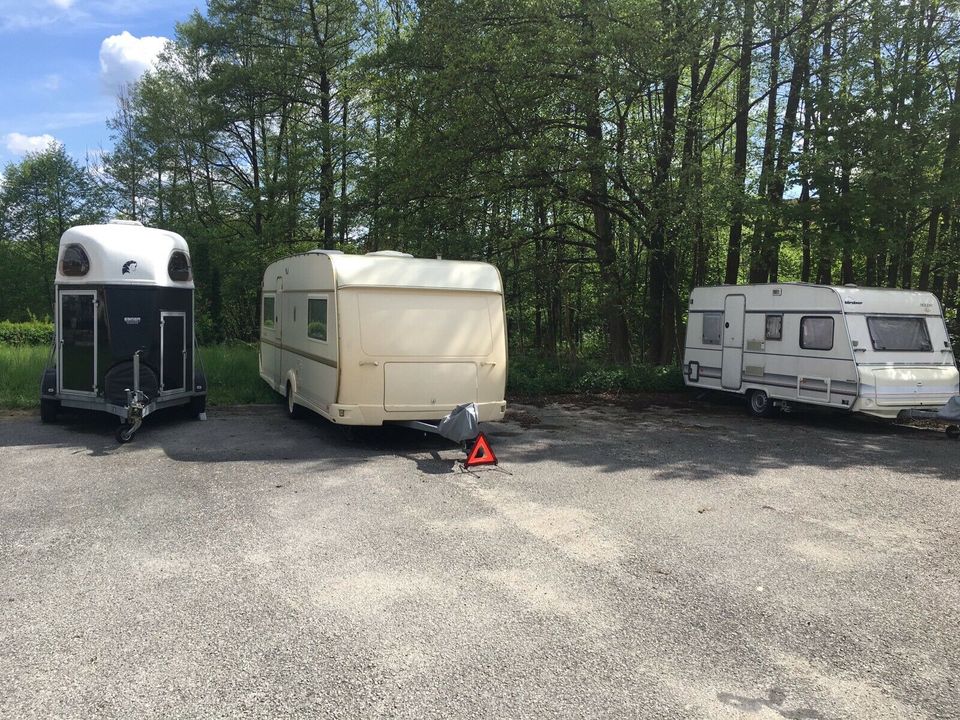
(816, 333)
(317, 318)
(712, 328)
(774, 327)
(75, 262)
(179, 266)
(899, 333)
(268, 301)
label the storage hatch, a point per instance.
(428, 386)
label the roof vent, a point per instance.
(118, 221)
(850, 285)
(389, 253)
(322, 251)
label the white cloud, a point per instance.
(20, 144)
(124, 58)
(62, 4)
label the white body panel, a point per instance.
(853, 373)
(406, 338)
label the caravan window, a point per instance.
(816, 333)
(712, 328)
(75, 262)
(907, 334)
(774, 327)
(317, 318)
(179, 267)
(268, 311)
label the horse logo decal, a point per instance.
(128, 267)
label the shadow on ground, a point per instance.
(692, 441)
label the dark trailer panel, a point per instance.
(124, 340)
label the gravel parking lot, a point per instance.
(688, 562)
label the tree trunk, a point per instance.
(801, 63)
(735, 240)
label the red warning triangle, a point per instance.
(481, 453)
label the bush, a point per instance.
(534, 376)
(34, 332)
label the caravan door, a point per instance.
(77, 327)
(731, 373)
(173, 351)
(278, 378)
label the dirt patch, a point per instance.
(521, 417)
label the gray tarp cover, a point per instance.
(950, 411)
(463, 423)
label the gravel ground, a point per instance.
(664, 563)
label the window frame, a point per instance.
(273, 311)
(923, 324)
(833, 331)
(766, 327)
(703, 324)
(326, 320)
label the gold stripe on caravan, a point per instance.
(301, 353)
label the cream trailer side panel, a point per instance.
(364, 340)
(416, 354)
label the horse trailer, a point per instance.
(383, 337)
(124, 325)
(880, 352)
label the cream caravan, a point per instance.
(368, 339)
(875, 351)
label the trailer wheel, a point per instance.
(49, 410)
(760, 404)
(953, 432)
(293, 410)
(125, 433)
(198, 405)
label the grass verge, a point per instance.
(233, 375)
(232, 371)
(20, 368)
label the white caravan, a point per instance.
(368, 339)
(869, 350)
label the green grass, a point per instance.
(534, 377)
(20, 368)
(232, 375)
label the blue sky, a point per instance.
(61, 62)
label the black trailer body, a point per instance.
(124, 316)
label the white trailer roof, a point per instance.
(809, 296)
(124, 253)
(382, 270)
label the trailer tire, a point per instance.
(953, 432)
(124, 434)
(293, 410)
(198, 405)
(49, 410)
(759, 403)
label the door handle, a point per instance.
(371, 363)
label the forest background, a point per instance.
(606, 156)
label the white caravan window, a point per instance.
(712, 328)
(774, 327)
(268, 311)
(317, 318)
(908, 334)
(816, 333)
